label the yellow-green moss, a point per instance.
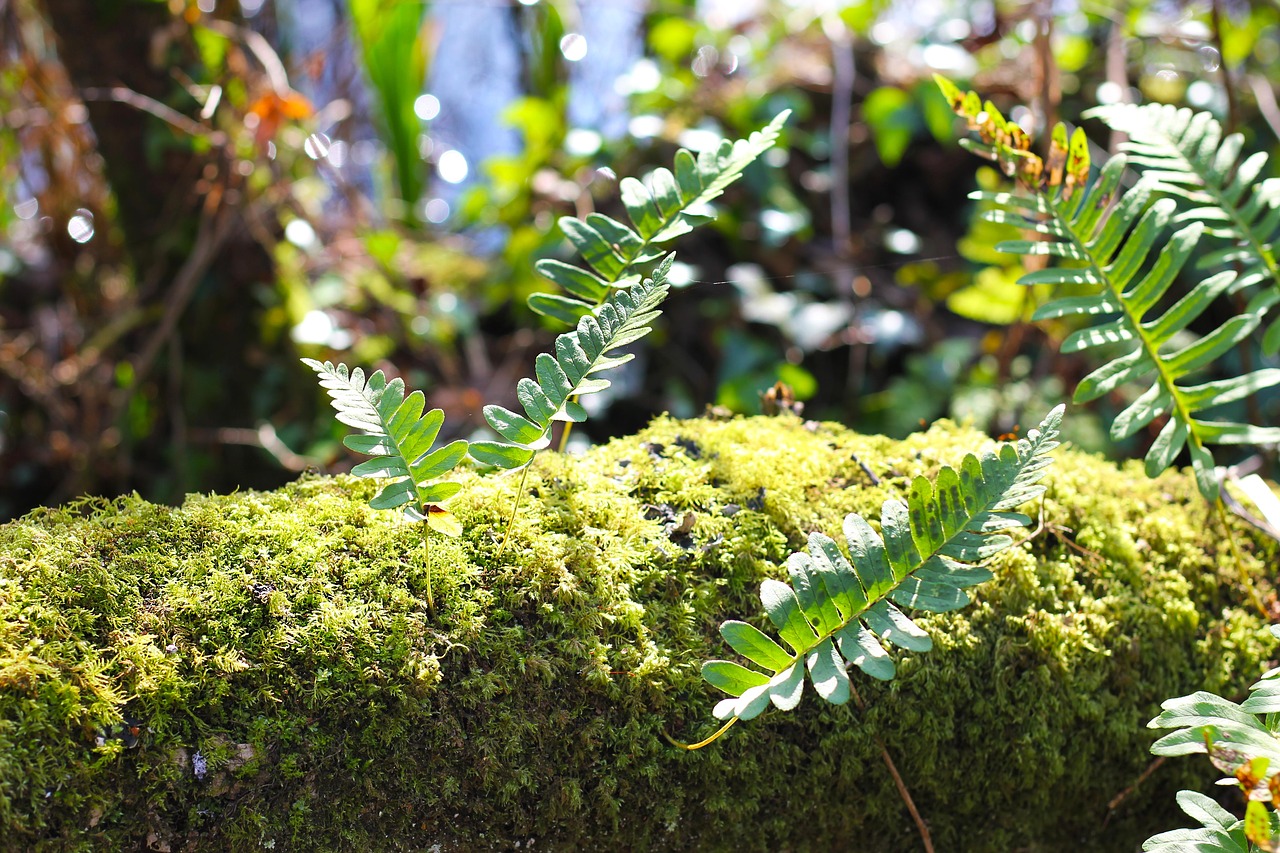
(282, 639)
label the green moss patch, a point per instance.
(261, 669)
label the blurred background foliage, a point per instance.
(193, 193)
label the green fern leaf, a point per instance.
(1110, 246)
(1220, 831)
(1241, 741)
(1187, 156)
(837, 611)
(580, 355)
(665, 206)
(396, 433)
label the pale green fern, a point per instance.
(1109, 247)
(1116, 244)
(400, 438)
(839, 609)
(580, 355)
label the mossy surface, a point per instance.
(290, 690)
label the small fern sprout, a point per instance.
(839, 609)
(400, 438)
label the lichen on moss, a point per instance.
(280, 643)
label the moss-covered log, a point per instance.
(261, 669)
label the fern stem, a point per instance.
(564, 434)
(426, 556)
(1239, 561)
(516, 508)
(897, 780)
(700, 744)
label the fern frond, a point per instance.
(1242, 741)
(1109, 247)
(839, 609)
(399, 437)
(1220, 831)
(1187, 156)
(580, 356)
(668, 205)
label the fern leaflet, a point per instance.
(580, 355)
(837, 609)
(1219, 830)
(1186, 155)
(664, 209)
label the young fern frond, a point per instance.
(1185, 155)
(927, 552)
(572, 372)
(1241, 740)
(669, 206)
(400, 438)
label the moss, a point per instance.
(290, 688)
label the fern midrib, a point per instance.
(1242, 227)
(1180, 408)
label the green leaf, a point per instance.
(783, 609)
(500, 454)
(755, 645)
(862, 650)
(731, 677)
(786, 688)
(827, 672)
(577, 281)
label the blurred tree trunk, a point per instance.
(105, 44)
(196, 264)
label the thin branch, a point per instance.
(1120, 797)
(213, 232)
(1118, 71)
(260, 48)
(897, 780)
(264, 437)
(167, 114)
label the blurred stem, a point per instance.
(1233, 104)
(1247, 581)
(838, 140)
(1118, 68)
(564, 433)
(1050, 84)
(426, 552)
(1266, 98)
